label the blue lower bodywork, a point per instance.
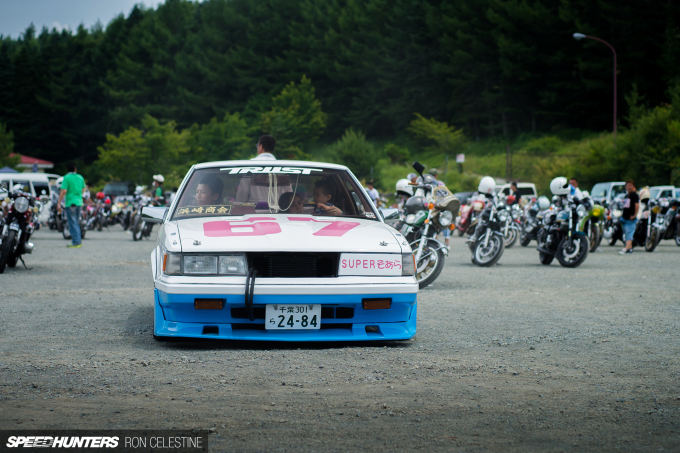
(176, 317)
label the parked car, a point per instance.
(527, 191)
(247, 252)
(116, 188)
(604, 192)
(657, 192)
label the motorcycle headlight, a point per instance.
(516, 214)
(21, 204)
(581, 210)
(502, 216)
(445, 218)
(617, 213)
(410, 218)
(656, 209)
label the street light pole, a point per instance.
(580, 36)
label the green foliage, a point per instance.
(138, 154)
(439, 136)
(397, 154)
(357, 153)
(7, 147)
(221, 140)
(295, 120)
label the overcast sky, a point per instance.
(16, 15)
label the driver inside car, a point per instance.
(209, 191)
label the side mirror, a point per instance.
(418, 167)
(153, 214)
(389, 213)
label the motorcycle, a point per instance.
(613, 231)
(531, 221)
(591, 223)
(428, 212)
(17, 226)
(468, 217)
(487, 242)
(560, 237)
(141, 228)
(663, 223)
(511, 226)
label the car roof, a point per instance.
(24, 176)
(269, 163)
(662, 187)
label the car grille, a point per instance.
(327, 312)
(295, 265)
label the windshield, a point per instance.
(236, 191)
(618, 190)
(654, 193)
(116, 188)
(599, 190)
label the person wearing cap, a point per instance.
(372, 192)
(158, 193)
(434, 172)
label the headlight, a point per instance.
(445, 218)
(516, 214)
(617, 213)
(200, 264)
(410, 218)
(232, 265)
(581, 210)
(503, 216)
(21, 204)
(178, 264)
(656, 209)
(408, 264)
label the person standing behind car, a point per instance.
(631, 204)
(158, 192)
(72, 189)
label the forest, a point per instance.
(373, 84)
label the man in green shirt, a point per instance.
(72, 188)
(158, 192)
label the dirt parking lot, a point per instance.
(518, 357)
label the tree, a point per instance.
(441, 137)
(7, 148)
(140, 153)
(221, 140)
(356, 153)
(295, 120)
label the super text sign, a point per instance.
(369, 264)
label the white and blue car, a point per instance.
(279, 250)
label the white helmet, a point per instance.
(543, 203)
(486, 185)
(158, 178)
(559, 186)
(139, 189)
(403, 187)
(59, 181)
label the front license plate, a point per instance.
(293, 317)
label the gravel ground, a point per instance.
(517, 357)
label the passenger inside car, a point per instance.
(324, 193)
(209, 191)
(291, 203)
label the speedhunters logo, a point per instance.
(62, 442)
(113, 441)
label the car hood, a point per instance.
(287, 233)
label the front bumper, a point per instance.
(343, 317)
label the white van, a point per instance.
(657, 192)
(527, 191)
(34, 183)
(604, 192)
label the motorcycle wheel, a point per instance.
(600, 235)
(571, 252)
(511, 238)
(65, 231)
(99, 224)
(7, 249)
(82, 231)
(461, 231)
(59, 226)
(137, 228)
(677, 239)
(489, 255)
(545, 258)
(652, 240)
(524, 239)
(594, 236)
(429, 267)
